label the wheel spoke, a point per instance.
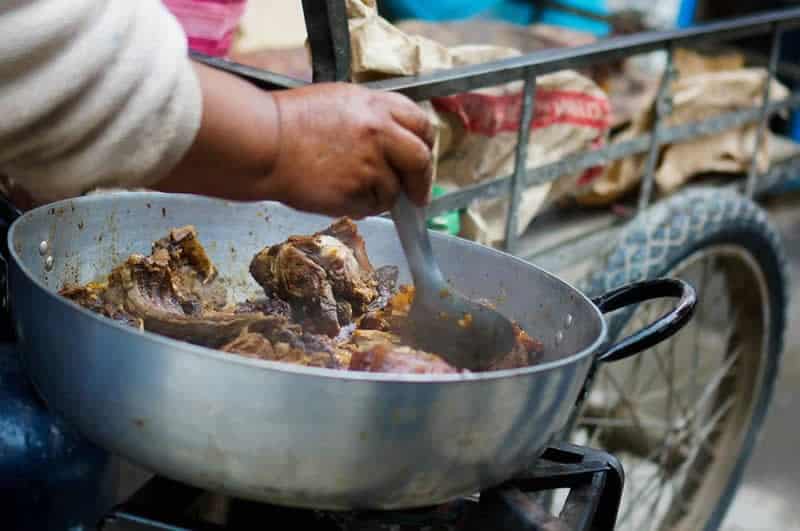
(643, 493)
(657, 454)
(661, 392)
(713, 422)
(702, 290)
(651, 314)
(654, 523)
(687, 470)
(625, 400)
(623, 423)
(714, 382)
(667, 379)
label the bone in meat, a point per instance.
(326, 277)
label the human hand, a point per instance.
(347, 150)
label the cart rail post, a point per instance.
(663, 107)
(774, 57)
(329, 38)
(520, 162)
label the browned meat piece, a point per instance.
(368, 339)
(91, 297)
(326, 277)
(398, 359)
(388, 326)
(277, 339)
(195, 271)
(269, 306)
(255, 345)
(526, 352)
(147, 288)
(171, 292)
(374, 318)
(251, 345)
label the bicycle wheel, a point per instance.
(683, 418)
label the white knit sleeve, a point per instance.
(93, 93)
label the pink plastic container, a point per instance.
(209, 24)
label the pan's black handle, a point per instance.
(656, 332)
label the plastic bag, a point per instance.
(209, 24)
(477, 131)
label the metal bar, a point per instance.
(663, 107)
(785, 69)
(329, 39)
(584, 160)
(775, 54)
(463, 79)
(520, 163)
(261, 78)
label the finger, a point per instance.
(375, 191)
(412, 162)
(381, 191)
(409, 115)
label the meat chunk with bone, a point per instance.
(327, 277)
(171, 292)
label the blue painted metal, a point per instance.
(686, 14)
(50, 477)
(790, 53)
(556, 17)
(513, 11)
(436, 11)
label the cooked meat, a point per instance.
(267, 305)
(324, 305)
(147, 288)
(398, 359)
(171, 292)
(251, 345)
(392, 319)
(374, 318)
(195, 271)
(92, 297)
(278, 339)
(367, 339)
(326, 277)
(526, 352)
(256, 345)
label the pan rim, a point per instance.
(334, 374)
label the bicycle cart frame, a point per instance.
(326, 22)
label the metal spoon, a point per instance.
(466, 334)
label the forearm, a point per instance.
(329, 148)
(93, 94)
(236, 146)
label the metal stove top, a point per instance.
(594, 480)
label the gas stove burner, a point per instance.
(594, 479)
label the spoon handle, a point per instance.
(412, 229)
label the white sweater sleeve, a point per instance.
(93, 93)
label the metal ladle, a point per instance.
(465, 333)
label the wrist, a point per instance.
(278, 177)
(237, 144)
